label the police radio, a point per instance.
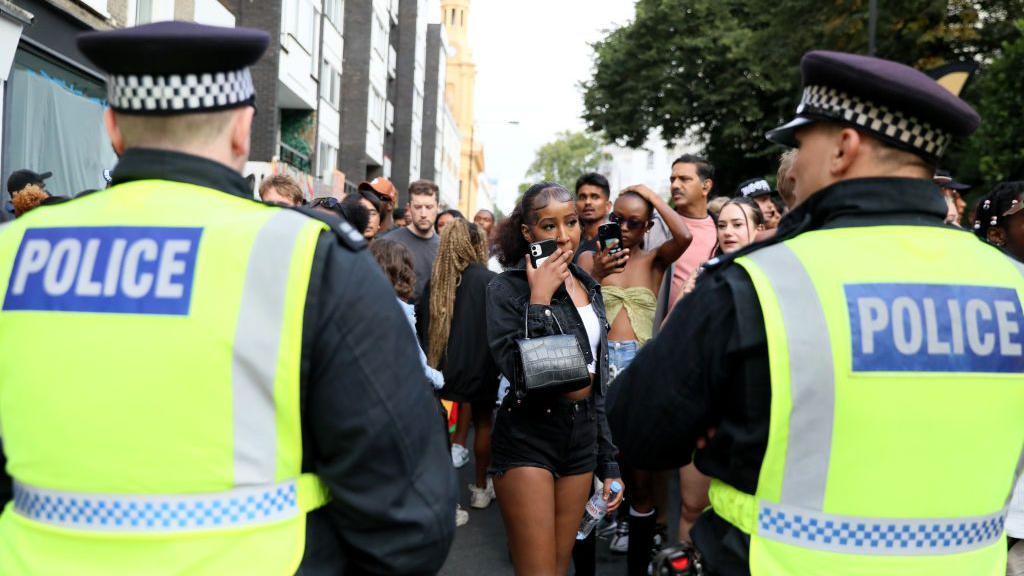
(681, 560)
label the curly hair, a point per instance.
(29, 198)
(462, 244)
(396, 261)
(509, 244)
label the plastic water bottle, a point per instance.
(596, 508)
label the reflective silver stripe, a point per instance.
(878, 536)
(157, 513)
(811, 375)
(257, 341)
(1016, 476)
(1020, 460)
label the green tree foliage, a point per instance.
(996, 152)
(723, 72)
(564, 159)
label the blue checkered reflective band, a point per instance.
(157, 513)
(878, 536)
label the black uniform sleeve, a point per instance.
(6, 484)
(374, 426)
(672, 392)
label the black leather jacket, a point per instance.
(508, 301)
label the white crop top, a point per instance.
(593, 327)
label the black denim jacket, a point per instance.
(508, 301)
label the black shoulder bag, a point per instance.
(550, 364)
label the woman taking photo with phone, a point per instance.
(546, 446)
(630, 277)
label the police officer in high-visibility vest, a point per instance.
(192, 382)
(862, 372)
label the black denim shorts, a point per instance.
(556, 434)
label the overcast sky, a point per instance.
(531, 56)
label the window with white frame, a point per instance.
(377, 106)
(379, 38)
(328, 160)
(143, 12)
(330, 85)
(299, 19)
(306, 25)
(147, 11)
(335, 12)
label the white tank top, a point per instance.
(593, 327)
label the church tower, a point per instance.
(461, 82)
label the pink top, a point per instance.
(705, 238)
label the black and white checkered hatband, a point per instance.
(892, 125)
(180, 93)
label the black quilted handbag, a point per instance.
(551, 364)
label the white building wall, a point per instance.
(419, 84)
(330, 116)
(213, 13)
(650, 165)
(299, 62)
(380, 30)
(451, 159)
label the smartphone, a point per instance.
(609, 237)
(541, 251)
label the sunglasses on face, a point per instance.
(628, 223)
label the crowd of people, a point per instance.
(657, 261)
(443, 268)
(595, 286)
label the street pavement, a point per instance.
(480, 546)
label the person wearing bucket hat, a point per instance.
(833, 363)
(244, 402)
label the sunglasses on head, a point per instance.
(329, 202)
(628, 223)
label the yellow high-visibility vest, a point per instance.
(897, 412)
(150, 338)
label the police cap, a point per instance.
(888, 100)
(176, 67)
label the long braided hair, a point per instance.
(462, 244)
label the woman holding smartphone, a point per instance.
(630, 276)
(546, 449)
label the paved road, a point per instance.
(480, 546)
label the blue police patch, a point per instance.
(935, 328)
(116, 269)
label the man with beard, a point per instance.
(593, 203)
(692, 180)
(419, 236)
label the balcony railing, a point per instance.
(297, 159)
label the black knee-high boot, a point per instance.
(584, 555)
(641, 539)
